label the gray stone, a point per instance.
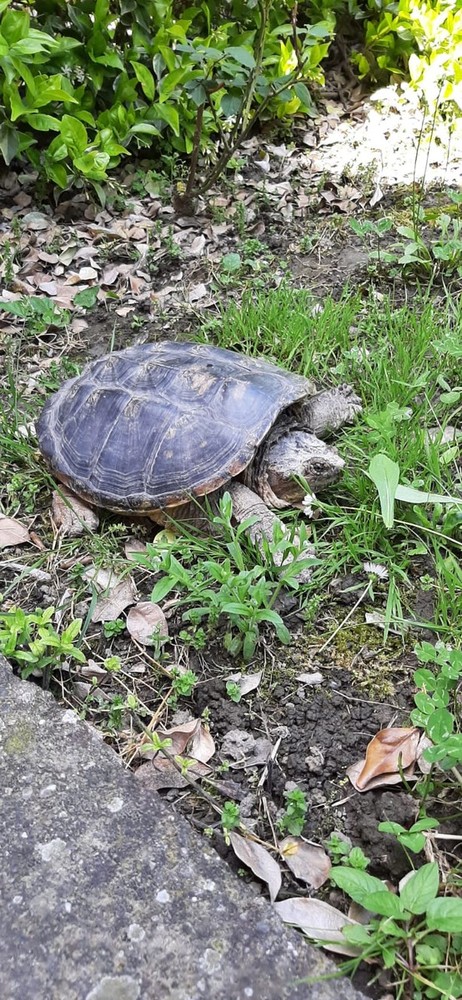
(108, 894)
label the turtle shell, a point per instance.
(156, 424)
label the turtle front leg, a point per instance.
(326, 412)
(246, 504)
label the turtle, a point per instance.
(151, 429)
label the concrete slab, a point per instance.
(108, 894)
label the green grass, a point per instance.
(405, 364)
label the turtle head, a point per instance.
(297, 455)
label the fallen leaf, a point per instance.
(101, 579)
(377, 196)
(311, 679)
(381, 781)
(308, 863)
(390, 751)
(12, 532)
(319, 921)
(72, 515)
(246, 682)
(259, 860)
(110, 605)
(145, 622)
(36, 221)
(196, 292)
(193, 737)
(161, 773)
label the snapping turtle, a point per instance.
(152, 427)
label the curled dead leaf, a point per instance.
(110, 606)
(146, 622)
(72, 515)
(191, 737)
(12, 532)
(318, 920)
(390, 752)
(308, 863)
(259, 860)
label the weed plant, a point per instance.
(405, 364)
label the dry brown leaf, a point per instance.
(110, 605)
(145, 622)
(318, 920)
(259, 860)
(392, 750)
(72, 515)
(308, 863)
(381, 781)
(101, 579)
(193, 737)
(161, 773)
(12, 532)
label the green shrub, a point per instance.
(84, 84)
(419, 41)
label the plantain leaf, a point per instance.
(385, 476)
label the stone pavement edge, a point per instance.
(108, 894)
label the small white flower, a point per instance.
(376, 569)
(307, 504)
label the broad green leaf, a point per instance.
(385, 476)
(92, 164)
(36, 41)
(304, 96)
(87, 298)
(145, 78)
(109, 59)
(43, 123)
(74, 133)
(445, 914)
(231, 104)
(9, 142)
(242, 55)
(357, 884)
(144, 128)
(440, 725)
(231, 262)
(15, 25)
(386, 904)
(421, 888)
(16, 104)
(24, 72)
(162, 588)
(170, 115)
(57, 172)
